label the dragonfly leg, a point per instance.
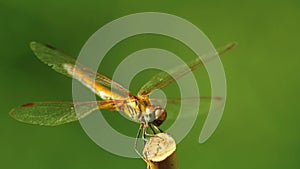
(146, 134)
(152, 129)
(136, 142)
(155, 129)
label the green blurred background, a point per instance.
(260, 126)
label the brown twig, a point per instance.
(160, 152)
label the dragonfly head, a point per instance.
(155, 114)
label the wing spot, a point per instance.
(27, 104)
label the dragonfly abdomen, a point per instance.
(94, 86)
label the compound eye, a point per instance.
(160, 116)
(158, 112)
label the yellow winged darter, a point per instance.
(136, 107)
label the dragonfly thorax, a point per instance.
(141, 111)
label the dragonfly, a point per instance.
(138, 107)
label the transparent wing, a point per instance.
(57, 59)
(57, 113)
(163, 79)
(172, 105)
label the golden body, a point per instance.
(137, 108)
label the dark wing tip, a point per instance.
(231, 45)
(227, 47)
(36, 45)
(234, 44)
